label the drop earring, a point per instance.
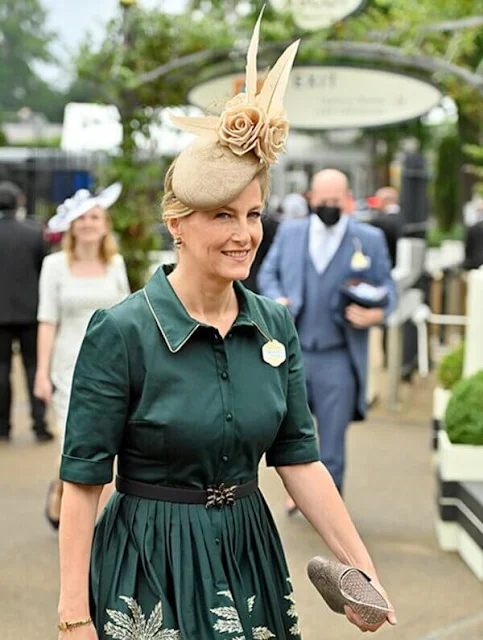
(177, 243)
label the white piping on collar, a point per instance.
(261, 331)
(168, 344)
(162, 330)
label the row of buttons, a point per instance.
(229, 417)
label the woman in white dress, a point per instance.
(86, 275)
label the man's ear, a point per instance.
(350, 202)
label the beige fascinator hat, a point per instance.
(233, 148)
(81, 202)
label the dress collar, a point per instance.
(175, 323)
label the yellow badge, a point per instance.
(274, 353)
(359, 261)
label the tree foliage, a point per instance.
(474, 154)
(447, 196)
(24, 40)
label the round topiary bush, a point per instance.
(450, 370)
(464, 415)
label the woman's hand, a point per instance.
(356, 619)
(43, 388)
(86, 632)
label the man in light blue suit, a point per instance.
(308, 263)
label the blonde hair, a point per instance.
(107, 250)
(174, 208)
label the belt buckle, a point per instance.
(220, 496)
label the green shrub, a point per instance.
(436, 237)
(464, 415)
(450, 370)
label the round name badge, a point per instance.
(274, 353)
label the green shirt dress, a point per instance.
(182, 407)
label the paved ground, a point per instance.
(390, 493)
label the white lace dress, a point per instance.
(69, 301)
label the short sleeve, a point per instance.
(49, 286)
(295, 442)
(98, 404)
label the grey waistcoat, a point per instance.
(318, 331)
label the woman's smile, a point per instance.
(238, 256)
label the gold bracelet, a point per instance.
(67, 626)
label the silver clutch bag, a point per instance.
(340, 585)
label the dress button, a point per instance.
(229, 417)
(217, 540)
(224, 375)
(224, 458)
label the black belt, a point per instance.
(220, 496)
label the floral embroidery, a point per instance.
(292, 613)
(229, 620)
(135, 627)
(262, 633)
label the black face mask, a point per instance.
(327, 214)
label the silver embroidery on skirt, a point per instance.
(135, 626)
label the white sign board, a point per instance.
(335, 97)
(317, 14)
(91, 127)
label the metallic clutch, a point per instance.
(340, 584)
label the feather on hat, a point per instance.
(233, 148)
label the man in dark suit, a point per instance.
(22, 249)
(474, 246)
(388, 219)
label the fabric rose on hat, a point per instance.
(272, 139)
(240, 128)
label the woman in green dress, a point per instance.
(189, 382)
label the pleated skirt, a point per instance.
(162, 570)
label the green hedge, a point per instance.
(450, 370)
(436, 236)
(464, 415)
